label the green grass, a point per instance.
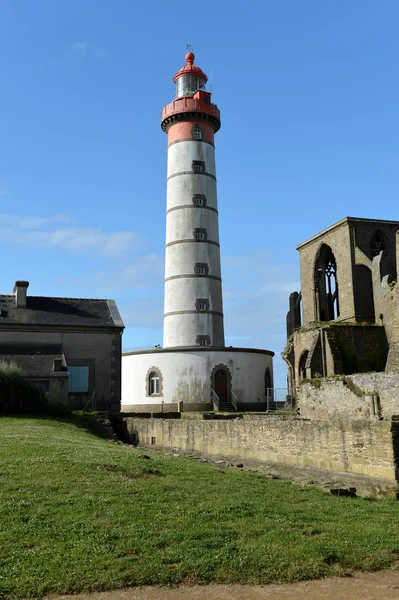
(79, 513)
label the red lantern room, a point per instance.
(192, 101)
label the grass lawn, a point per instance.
(80, 513)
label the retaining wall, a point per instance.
(362, 447)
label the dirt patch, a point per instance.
(383, 585)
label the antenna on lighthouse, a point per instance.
(189, 48)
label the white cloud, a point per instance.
(43, 231)
(89, 49)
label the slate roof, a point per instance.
(34, 360)
(43, 310)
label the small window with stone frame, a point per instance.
(198, 166)
(203, 340)
(202, 304)
(200, 234)
(197, 133)
(199, 200)
(201, 269)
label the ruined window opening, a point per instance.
(302, 365)
(377, 243)
(326, 285)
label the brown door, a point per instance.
(221, 384)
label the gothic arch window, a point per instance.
(377, 243)
(302, 365)
(197, 133)
(154, 382)
(326, 285)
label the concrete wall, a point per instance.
(362, 447)
(333, 398)
(187, 375)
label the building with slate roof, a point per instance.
(70, 347)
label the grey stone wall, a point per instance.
(334, 398)
(362, 447)
(339, 240)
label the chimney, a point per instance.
(57, 365)
(20, 288)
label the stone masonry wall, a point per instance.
(333, 398)
(362, 447)
(340, 242)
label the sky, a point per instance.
(308, 93)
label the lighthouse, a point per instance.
(194, 370)
(193, 285)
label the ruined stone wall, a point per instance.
(362, 447)
(350, 397)
(363, 232)
(339, 240)
(362, 348)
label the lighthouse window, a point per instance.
(203, 340)
(200, 234)
(154, 382)
(198, 166)
(199, 200)
(201, 269)
(202, 305)
(197, 133)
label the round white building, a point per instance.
(194, 370)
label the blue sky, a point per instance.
(308, 93)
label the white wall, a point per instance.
(187, 375)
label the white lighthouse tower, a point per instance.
(193, 370)
(193, 284)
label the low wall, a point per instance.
(362, 447)
(350, 397)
